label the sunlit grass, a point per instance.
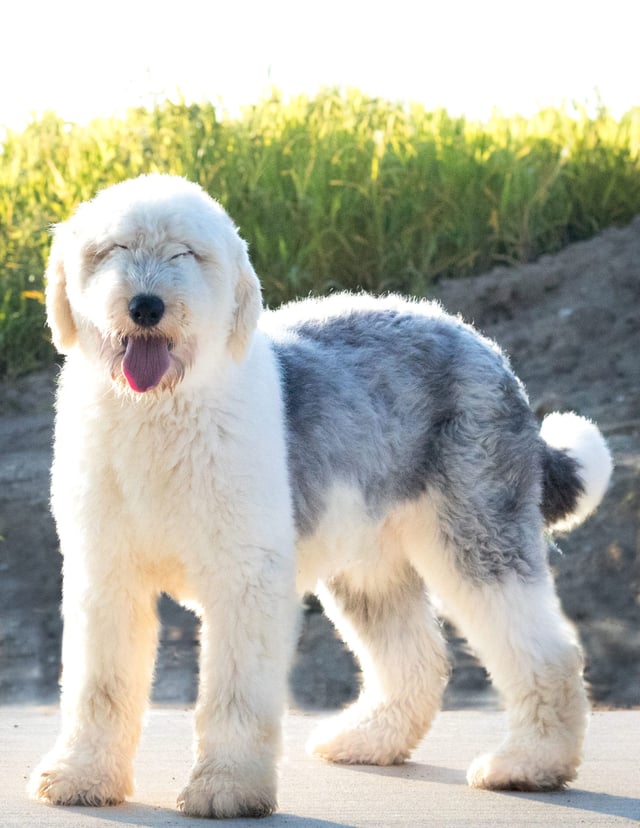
(338, 191)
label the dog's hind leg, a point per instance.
(388, 623)
(517, 628)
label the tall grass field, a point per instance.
(339, 191)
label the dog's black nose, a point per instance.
(146, 310)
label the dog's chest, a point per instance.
(168, 467)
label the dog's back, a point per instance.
(397, 398)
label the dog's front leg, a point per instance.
(109, 639)
(248, 634)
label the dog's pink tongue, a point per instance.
(145, 362)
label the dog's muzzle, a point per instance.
(147, 357)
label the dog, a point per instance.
(376, 451)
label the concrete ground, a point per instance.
(430, 790)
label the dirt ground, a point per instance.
(571, 324)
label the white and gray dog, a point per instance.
(376, 451)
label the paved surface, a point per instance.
(429, 791)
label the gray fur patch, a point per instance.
(398, 403)
(562, 484)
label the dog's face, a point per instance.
(145, 277)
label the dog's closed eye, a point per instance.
(99, 252)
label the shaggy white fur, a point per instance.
(194, 452)
(582, 440)
(183, 492)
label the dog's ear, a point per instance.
(248, 297)
(63, 328)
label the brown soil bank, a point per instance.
(571, 324)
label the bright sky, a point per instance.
(89, 58)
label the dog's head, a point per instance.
(147, 275)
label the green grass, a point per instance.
(338, 191)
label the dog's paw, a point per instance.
(368, 742)
(64, 783)
(219, 794)
(516, 770)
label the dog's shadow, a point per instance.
(415, 771)
(581, 800)
(576, 799)
(150, 816)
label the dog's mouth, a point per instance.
(146, 360)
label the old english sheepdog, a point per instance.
(376, 451)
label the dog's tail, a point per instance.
(577, 467)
